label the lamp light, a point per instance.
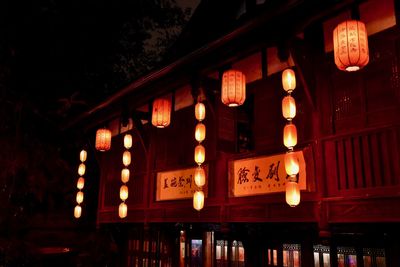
(288, 80)
(288, 107)
(103, 139)
(128, 141)
(125, 175)
(122, 210)
(77, 211)
(161, 115)
(200, 132)
(199, 176)
(199, 154)
(200, 111)
(290, 135)
(233, 91)
(198, 200)
(292, 193)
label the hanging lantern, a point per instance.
(123, 192)
(292, 193)
(81, 169)
(79, 197)
(288, 80)
(103, 139)
(128, 141)
(200, 111)
(125, 175)
(81, 183)
(199, 154)
(198, 200)
(77, 211)
(233, 91)
(161, 116)
(290, 135)
(200, 132)
(291, 163)
(288, 107)
(122, 210)
(126, 158)
(83, 155)
(350, 42)
(199, 176)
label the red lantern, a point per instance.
(292, 193)
(199, 154)
(200, 132)
(198, 200)
(161, 116)
(200, 111)
(288, 80)
(290, 135)
(288, 107)
(103, 139)
(233, 91)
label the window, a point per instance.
(291, 255)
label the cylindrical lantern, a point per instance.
(79, 197)
(103, 139)
(125, 175)
(81, 183)
(288, 107)
(126, 158)
(198, 200)
(350, 42)
(292, 193)
(200, 132)
(128, 141)
(77, 211)
(291, 163)
(199, 176)
(122, 210)
(200, 111)
(81, 169)
(288, 80)
(161, 116)
(123, 192)
(83, 155)
(290, 135)
(199, 154)
(233, 91)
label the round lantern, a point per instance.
(199, 176)
(198, 200)
(122, 210)
(290, 135)
(79, 197)
(81, 169)
(83, 155)
(77, 211)
(125, 175)
(126, 158)
(288, 80)
(81, 183)
(103, 139)
(200, 111)
(292, 193)
(350, 42)
(288, 107)
(199, 154)
(291, 163)
(233, 91)
(161, 116)
(128, 141)
(123, 192)
(200, 132)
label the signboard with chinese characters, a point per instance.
(262, 175)
(177, 184)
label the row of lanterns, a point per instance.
(80, 184)
(125, 173)
(199, 156)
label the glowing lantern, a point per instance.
(81, 183)
(291, 163)
(198, 200)
(77, 211)
(288, 80)
(200, 132)
(199, 154)
(199, 176)
(83, 155)
(233, 91)
(79, 197)
(122, 210)
(126, 158)
(128, 141)
(103, 139)
(292, 193)
(288, 107)
(161, 116)
(123, 192)
(125, 175)
(81, 169)
(200, 111)
(290, 135)
(350, 42)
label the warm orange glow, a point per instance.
(200, 176)
(122, 210)
(200, 132)
(83, 155)
(128, 141)
(198, 200)
(199, 154)
(233, 91)
(292, 193)
(288, 107)
(125, 175)
(350, 41)
(77, 211)
(126, 158)
(123, 192)
(81, 169)
(291, 163)
(161, 116)
(288, 80)
(290, 135)
(103, 139)
(79, 197)
(81, 183)
(200, 111)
